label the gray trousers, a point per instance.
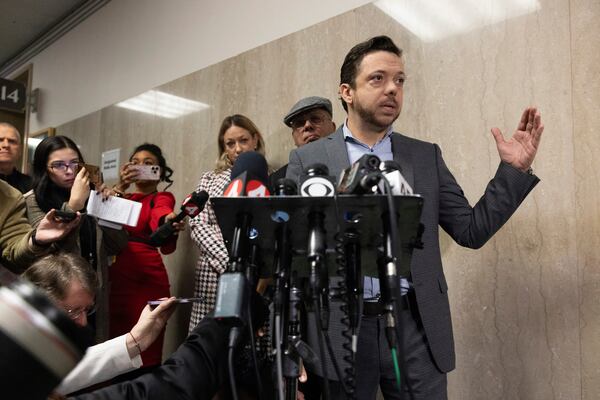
(374, 365)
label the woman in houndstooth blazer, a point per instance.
(238, 134)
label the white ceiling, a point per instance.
(24, 21)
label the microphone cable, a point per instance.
(399, 331)
(233, 338)
(320, 335)
(348, 380)
(259, 387)
(278, 358)
(391, 336)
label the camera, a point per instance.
(40, 343)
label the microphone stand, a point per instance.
(239, 245)
(291, 361)
(390, 293)
(233, 295)
(319, 285)
(290, 351)
(252, 274)
(283, 259)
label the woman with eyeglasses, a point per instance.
(138, 273)
(61, 182)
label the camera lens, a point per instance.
(40, 344)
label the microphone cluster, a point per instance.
(249, 177)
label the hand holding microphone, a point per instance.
(191, 206)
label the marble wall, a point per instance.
(525, 306)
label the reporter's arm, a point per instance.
(100, 363)
(194, 371)
(119, 355)
(15, 231)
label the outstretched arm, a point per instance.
(520, 150)
(149, 326)
(51, 230)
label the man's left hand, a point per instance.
(520, 150)
(51, 230)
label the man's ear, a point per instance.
(346, 93)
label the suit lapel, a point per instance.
(402, 155)
(337, 155)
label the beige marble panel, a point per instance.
(585, 42)
(519, 330)
(515, 337)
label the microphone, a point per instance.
(361, 177)
(317, 182)
(285, 187)
(249, 179)
(190, 207)
(393, 173)
(249, 176)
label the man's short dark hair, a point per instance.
(356, 54)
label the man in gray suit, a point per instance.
(371, 90)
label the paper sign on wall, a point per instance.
(110, 164)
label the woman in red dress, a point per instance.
(138, 274)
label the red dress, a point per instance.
(138, 274)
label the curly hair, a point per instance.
(165, 171)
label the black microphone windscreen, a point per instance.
(252, 162)
(200, 198)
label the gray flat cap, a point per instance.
(307, 103)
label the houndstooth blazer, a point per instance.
(213, 258)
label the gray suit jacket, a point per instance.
(446, 206)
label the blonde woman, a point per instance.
(238, 134)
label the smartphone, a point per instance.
(179, 300)
(64, 216)
(147, 172)
(94, 174)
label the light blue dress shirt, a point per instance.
(382, 149)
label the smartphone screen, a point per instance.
(179, 300)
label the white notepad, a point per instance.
(114, 210)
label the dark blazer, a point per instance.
(445, 205)
(196, 370)
(275, 176)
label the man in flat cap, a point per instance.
(310, 119)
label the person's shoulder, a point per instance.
(8, 192)
(316, 146)
(407, 139)
(410, 141)
(30, 197)
(212, 174)
(165, 195)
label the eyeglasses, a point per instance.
(63, 166)
(75, 314)
(315, 119)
